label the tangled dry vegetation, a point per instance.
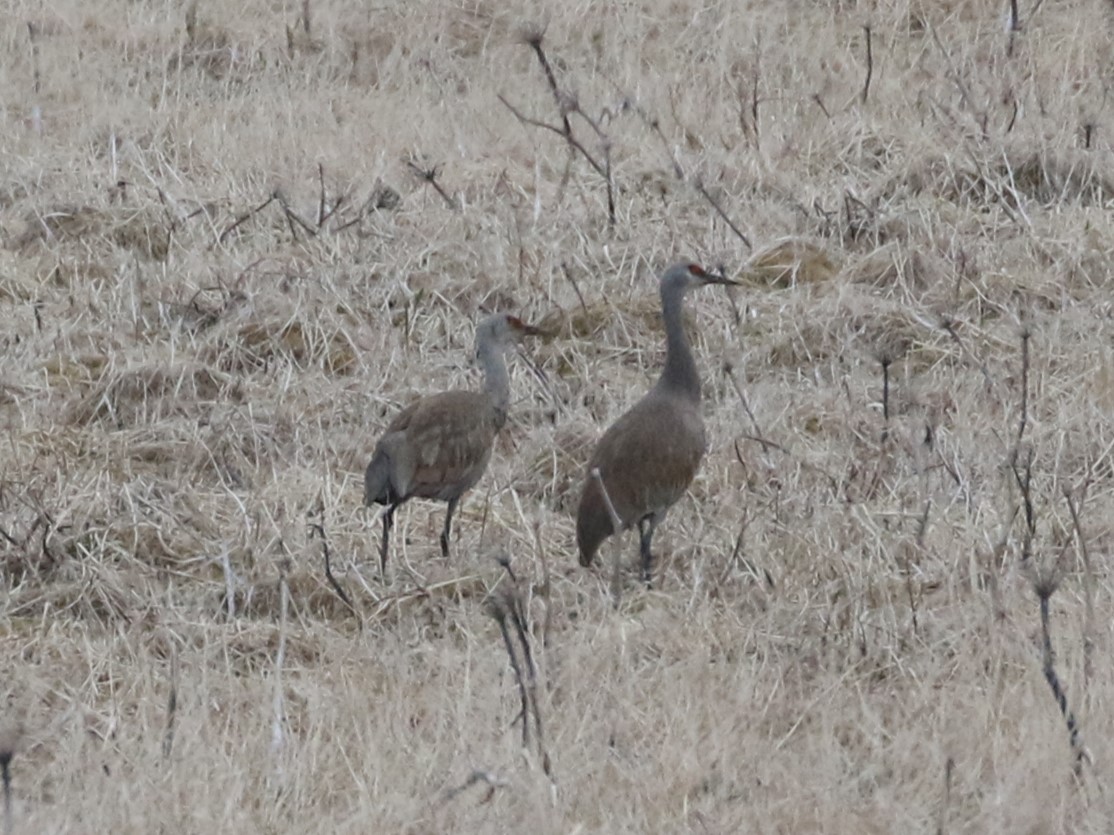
(238, 237)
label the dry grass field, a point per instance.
(235, 239)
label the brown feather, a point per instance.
(439, 446)
(647, 459)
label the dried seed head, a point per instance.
(11, 739)
(532, 34)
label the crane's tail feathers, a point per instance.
(593, 523)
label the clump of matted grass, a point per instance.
(149, 393)
(134, 229)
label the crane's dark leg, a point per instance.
(646, 527)
(388, 522)
(448, 527)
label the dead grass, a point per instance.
(220, 277)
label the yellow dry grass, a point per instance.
(220, 276)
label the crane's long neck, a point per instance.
(497, 383)
(680, 374)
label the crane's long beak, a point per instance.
(720, 278)
(531, 330)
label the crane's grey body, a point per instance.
(439, 447)
(648, 458)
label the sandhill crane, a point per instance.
(649, 456)
(438, 447)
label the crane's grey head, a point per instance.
(502, 330)
(686, 275)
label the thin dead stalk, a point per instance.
(534, 40)
(576, 288)
(492, 780)
(336, 586)
(430, 175)
(949, 767)
(886, 361)
(949, 327)
(547, 586)
(278, 705)
(1045, 588)
(507, 608)
(1088, 593)
(244, 218)
(566, 106)
(617, 526)
(869, 65)
(720, 211)
(1045, 581)
(1024, 418)
(9, 742)
(729, 370)
(601, 168)
(171, 705)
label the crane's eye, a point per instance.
(516, 323)
(697, 270)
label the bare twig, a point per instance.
(754, 96)
(719, 210)
(1088, 592)
(948, 325)
(885, 362)
(576, 288)
(994, 559)
(430, 176)
(320, 167)
(171, 705)
(949, 767)
(507, 608)
(568, 137)
(916, 547)
(500, 610)
(1023, 420)
(1014, 27)
(605, 144)
(332, 210)
(1024, 479)
(478, 776)
(278, 709)
(603, 169)
(245, 217)
(567, 105)
(1045, 580)
(534, 39)
(1044, 589)
(655, 126)
(547, 587)
(729, 370)
(979, 116)
(10, 738)
(36, 74)
(869, 65)
(337, 587)
(292, 218)
(820, 103)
